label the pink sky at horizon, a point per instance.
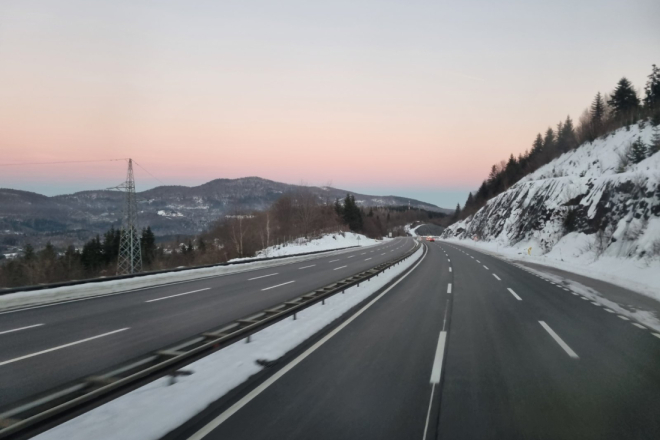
(356, 94)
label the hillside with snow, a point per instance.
(589, 209)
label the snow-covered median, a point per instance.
(324, 243)
(157, 408)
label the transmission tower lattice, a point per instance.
(130, 252)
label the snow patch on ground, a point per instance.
(410, 230)
(157, 408)
(324, 243)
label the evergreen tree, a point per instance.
(28, 252)
(597, 115)
(537, 146)
(624, 101)
(566, 136)
(352, 213)
(637, 152)
(201, 245)
(338, 208)
(654, 146)
(652, 89)
(48, 253)
(148, 245)
(549, 143)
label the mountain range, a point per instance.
(169, 210)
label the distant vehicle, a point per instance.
(431, 239)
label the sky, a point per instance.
(411, 98)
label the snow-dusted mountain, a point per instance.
(589, 204)
(169, 210)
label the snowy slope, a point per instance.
(582, 208)
(324, 243)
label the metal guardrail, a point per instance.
(51, 408)
(7, 290)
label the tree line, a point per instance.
(621, 108)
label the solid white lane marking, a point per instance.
(436, 372)
(340, 267)
(332, 261)
(514, 294)
(639, 326)
(283, 284)
(61, 346)
(213, 424)
(367, 259)
(178, 294)
(497, 278)
(449, 288)
(428, 413)
(449, 268)
(623, 317)
(486, 267)
(305, 267)
(19, 329)
(262, 276)
(559, 340)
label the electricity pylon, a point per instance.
(130, 252)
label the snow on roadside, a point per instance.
(324, 243)
(571, 254)
(410, 230)
(157, 408)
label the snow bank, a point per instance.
(324, 243)
(157, 408)
(585, 212)
(410, 230)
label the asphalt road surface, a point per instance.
(45, 347)
(466, 346)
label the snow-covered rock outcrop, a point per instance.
(588, 201)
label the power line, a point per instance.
(61, 162)
(148, 172)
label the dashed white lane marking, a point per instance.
(514, 294)
(608, 310)
(639, 326)
(305, 267)
(436, 371)
(449, 260)
(278, 285)
(20, 328)
(449, 288)
(574, 293)
(262, 276)
(584, 298)
(559, 340)
(340, 267)
(178, 294)
(497, 278)
(364, 253)
(657, 335)
(478, 261)
(449, 268)
(486, 267)
(367, 259)
(352, 256)
(332, 261)
(383, 253)
(623, 317)
(595, 303)
(61, 346)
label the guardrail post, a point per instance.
(248, 339)
(323, 302)
(295, 316)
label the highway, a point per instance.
(466, 346)
(47, 346)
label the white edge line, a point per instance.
(205, 430)
(559, 340)
(61, 346)
(20, 328)
(178, 294)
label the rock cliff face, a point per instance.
(590, 194)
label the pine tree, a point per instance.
(654, 146)
(537, 146)
(652, 89)
(637, 151)
(597, 115)
(549, 143)
(566, 136)
(624, 101)
(457, 213)
(148, 245)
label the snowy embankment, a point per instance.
(154, 410)
(325, 243)
(587, 212)
(410, 230)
